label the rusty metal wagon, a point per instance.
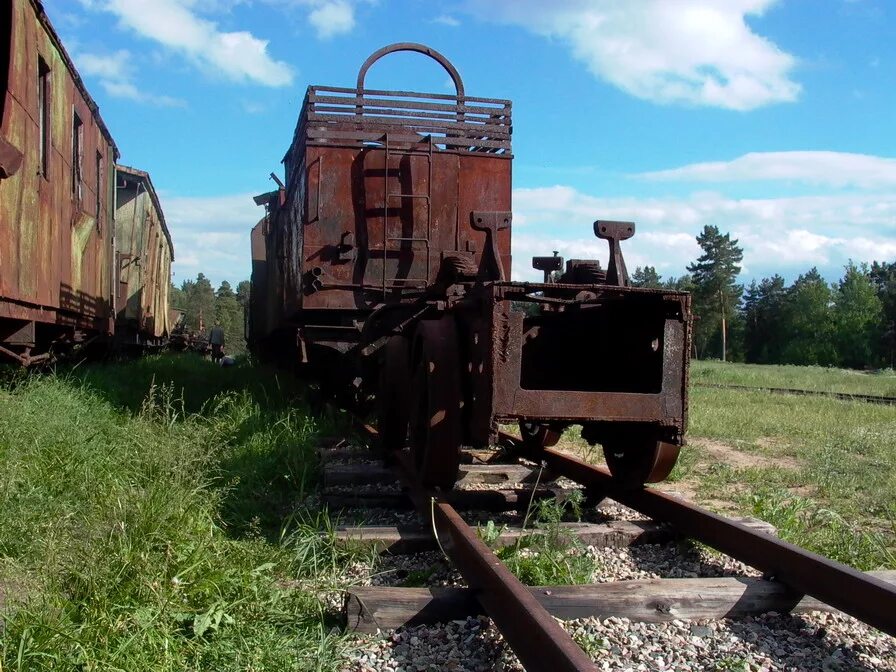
(381, 270)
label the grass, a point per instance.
(882, 383)
(823, 471)
(152, 520)
(553, 556)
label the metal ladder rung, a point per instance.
(426, 196)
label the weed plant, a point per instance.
(552, 556)
(143, 508)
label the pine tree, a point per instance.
(229, 314)
(199, 300)
(646, 277)
(807, 322)
(857, 318)
(243, 290)
(883, 275)
(716, 292)
(763, 303)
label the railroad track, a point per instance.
(845, 396)
(794, 579)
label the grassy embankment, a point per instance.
(150, 522)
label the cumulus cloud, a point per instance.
(837, 169)
(700, 52)
(332, 18)
(786, 235)
(238, 55)
(117, 78)
(211, 234)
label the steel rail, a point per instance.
(843, 396)
(532, 633)
(865, 597)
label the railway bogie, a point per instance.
(382, 268)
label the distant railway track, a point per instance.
(530, 627)
(845, 396)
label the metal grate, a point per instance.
(332, 115)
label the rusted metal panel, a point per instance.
(618, 355)
(56, 243)
(380, 186)
(144, 256)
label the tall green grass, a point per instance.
(143, 510)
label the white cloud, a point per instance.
(238, 56)
(211, 234)
(837, 169)
(335, 17)
(446, 20)
(786, 235)
(700, 52)
(117, 78)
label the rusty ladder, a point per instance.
(387, 239)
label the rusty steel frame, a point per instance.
(537, 639)
(865, 597)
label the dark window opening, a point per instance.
(77, 156)
(43, 112)
(99, 191)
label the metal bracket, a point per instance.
(547, 265)
(346, 248)
(491, 222)
(614, 233)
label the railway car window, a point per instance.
(99, 191)
(43, 98)
(77, 155)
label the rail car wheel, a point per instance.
(435, 425)
(536, 436)
(639, 458)
(392, 396)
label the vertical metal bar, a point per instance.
(385, 212)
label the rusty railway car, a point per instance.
(143, 256)
(59, 275)
(381, 269)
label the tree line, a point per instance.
(203, 306)
(849, 323)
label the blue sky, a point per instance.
(773, 120)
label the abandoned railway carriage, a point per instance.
(382, 269)
(57, 175)
(59, 275)
(143, 256)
